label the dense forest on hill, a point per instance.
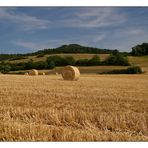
(140, 50)
(72, 48)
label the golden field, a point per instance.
(95, 108)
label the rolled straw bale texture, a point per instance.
(42, 73)
(26, 73)
(70, 73)
(33, 72)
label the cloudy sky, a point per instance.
(28, 29)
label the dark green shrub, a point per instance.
(134, 70)
(82, 62)
(69, 60)
(61, 61)
(117, 59)
(58, 60)
(140, 50)
(95, 60)
(130, 70)
(51, 65)
(40, 65)
(29, 65)
(115, 52)
(5, 69)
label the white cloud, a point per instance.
(39, 45)
(32, 45)
(103, 27)
(99, 37)
(51, 43)
(94, 17)
(126, 38)
(24, 21)
(134, 31)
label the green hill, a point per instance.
(73, 48)
(64, 49)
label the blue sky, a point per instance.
(28, 29)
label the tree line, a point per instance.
(140, 50)
(52, 61)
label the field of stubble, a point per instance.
(95, 108)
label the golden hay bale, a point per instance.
(56, 73)
(42, 73)
(70, 73)
(26, 73)
(33, 72)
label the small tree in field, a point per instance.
(5, 68)
(117, 59)
(95, 60)
(51, 65)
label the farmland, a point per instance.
(76, 57)
(95, 108)
(140, 61)
(73, 73)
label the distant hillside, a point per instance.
(71, 48)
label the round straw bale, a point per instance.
(26, 73)
(33, 72)
(42, 73)
(56, 73)
(70, 73)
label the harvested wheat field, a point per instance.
(94, 108)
